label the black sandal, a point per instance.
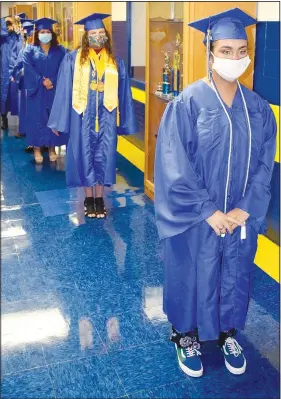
(19, 136)
(89, 206)
(100, 208)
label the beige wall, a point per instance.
(268, 11)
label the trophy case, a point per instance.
(164, 72)
(175, 57)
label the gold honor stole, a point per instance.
(104, 65)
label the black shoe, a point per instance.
(89, 207)
(19, 136)
(28, 149)
(100, 208)
(4, 123)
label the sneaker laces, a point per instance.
(190, 346)
(191, 351)
(233, 347)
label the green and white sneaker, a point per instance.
(234, 359)
(187, 348)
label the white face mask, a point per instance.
(230, 70)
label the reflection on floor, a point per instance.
(82, 300)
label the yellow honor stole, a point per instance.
(104, 65)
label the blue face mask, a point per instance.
(45, 38)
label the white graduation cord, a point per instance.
(230, 150)
(243, 228)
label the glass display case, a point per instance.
(63, 13)
(164, 79)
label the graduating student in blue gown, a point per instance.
(41, 64)
(93, 104)
(10, 46)
(214, 160)
(18, 76)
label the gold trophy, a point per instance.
(166, 73)
(176, 68)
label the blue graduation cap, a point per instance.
(28, 23)
(28, 27)
(93, 21)
(22, 15)
(23, 20)
(44, 23)
(229, 24)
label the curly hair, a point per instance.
(85, 47)
(54, 42)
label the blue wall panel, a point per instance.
(267, 85)
(267, 62)
(120, 37)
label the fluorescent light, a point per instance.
(31, 327)
(153, 298)
(13, 232)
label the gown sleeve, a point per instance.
(32, 79)
(17, 70)
(128, 121)
(257, 195)
(61, 56)
(181, 199)
(61, 109)
(15, 49)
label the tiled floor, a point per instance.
(82, 300)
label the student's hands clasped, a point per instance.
(223, 223)
(48, 84)
(239, 215)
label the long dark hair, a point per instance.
(54, 42)
(85, 47)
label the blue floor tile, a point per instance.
(30, 384)
(17, 357)
(181, 389)
(147, 367)
(81, 340)
(8, 246)
(266, 292)
(126, 330)
(87, 378)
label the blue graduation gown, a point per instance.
(17, 74)
(91, 156)
(207, 278)
(11, 45)
(39, 100)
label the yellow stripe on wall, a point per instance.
(139, 95)
(268, 257)
(132, 153)
(276, 111)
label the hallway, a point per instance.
(82, 300)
